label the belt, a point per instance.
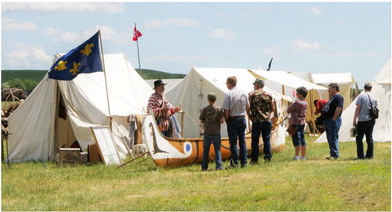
(237, 117)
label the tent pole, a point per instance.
(138, 56)
(106, 81)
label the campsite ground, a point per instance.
(281, 185)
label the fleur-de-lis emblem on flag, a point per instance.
(86, 58)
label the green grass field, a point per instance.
(280, 185)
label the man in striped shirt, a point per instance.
(161, 108)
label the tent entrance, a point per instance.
(65, 137)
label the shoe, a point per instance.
(331, 158)
(221, 168)
(369, 158)
(303, 158)
(296, 158)
(267, 159)
(233, 167)
(203, 170)
(253, 162)
(244, 165)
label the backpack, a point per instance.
(373, 111)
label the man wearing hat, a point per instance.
(261, 107)
(161, 108)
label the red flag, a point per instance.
(136, 34)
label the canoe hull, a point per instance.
(171, 152)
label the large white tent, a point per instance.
(57, 113)
(382, 91)
(191, 94)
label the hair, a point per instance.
(368, 86)
(211, 97)
(334, 85)
(232, 80)
(302, 90)
(315, 102)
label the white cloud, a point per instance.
(222, 33)
(9, 24)
(315, 10)
(174, 58)
(306, 46)
(115, 7)
(178, 22)
(273, 50)
(108, 34)
(30, 57)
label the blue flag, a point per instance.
(86, 58)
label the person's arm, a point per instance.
(337, 113)
(356, 114)
(292, 107)
(226, 114)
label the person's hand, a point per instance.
(164, 110)
(354, 123)
(177, 109)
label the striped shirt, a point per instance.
(156, 103)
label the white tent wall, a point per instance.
(86, 104)
(382, 129)
(191, 94)
(37, 111)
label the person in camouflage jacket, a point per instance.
(261, 107)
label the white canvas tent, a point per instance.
(191, 94)
(38, 129)
(382, 91)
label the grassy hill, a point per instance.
(37, 75)
(153, 74)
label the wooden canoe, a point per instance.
(172, 152)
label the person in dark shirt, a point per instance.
(212, 118)
(332, 112)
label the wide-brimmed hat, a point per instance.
(158, 83)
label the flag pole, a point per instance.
(137, 44)
(106, 82)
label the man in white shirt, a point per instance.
(235, 106)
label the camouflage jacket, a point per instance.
(260, 105)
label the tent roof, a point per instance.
(218, 76)
(384, 76)
(285, 78)
(340, 78)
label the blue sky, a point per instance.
(302, 37)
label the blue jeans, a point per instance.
(365, 128)
(299, 136)
(216, 141)
(265, 129)
(332, 131)
(236, 128)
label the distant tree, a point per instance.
(27, 85)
